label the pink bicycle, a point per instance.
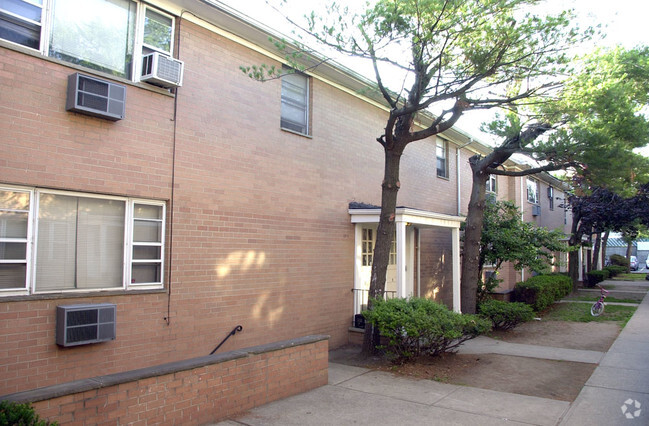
(598, 307)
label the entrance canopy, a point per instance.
(407, 219)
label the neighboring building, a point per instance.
(639, 248)
(542, 200)
(213, 202)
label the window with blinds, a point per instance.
(80, 242)
(295, 103)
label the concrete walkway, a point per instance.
(616, 394)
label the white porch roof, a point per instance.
(404, 217)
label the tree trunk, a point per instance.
(472, 237)
(573, 255)
(604, 243)
(384, 236)
(629, 248)
(596, 248)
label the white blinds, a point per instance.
(80, 242)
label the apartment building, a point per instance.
(144, 179)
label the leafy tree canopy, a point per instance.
(507, 238)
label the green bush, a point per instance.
(542, 290)
(619, 260)
(13, 413)
(415, 327)
(597, 276)
(505, 315)
(615, 270)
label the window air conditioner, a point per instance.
(162, 70)
(95, 97)
(84, 324)
(536, 210)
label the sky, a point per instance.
(622, 22)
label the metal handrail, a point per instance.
(232, 333)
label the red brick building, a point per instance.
(214, 201)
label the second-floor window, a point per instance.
(491, 184)
(532, 191)
(442, 158)
(551, 198)
(106, 35)
(295, 103)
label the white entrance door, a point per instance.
(368, 240)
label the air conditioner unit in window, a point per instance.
(162, 70)
(95, 97)
(536, 210)
(84, 324)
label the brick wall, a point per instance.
(195, 391)
(261, 235)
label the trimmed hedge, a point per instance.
(505, 315)
(13, 413)
(597, 276)
(615, 270)
(542, 290)
(619, 260)
(417, 326)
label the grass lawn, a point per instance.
(629, 277)
(589, 298)
(580, 312)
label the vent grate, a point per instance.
(95, 97)
(162, 70)
(85, 324)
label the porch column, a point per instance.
(401, 259)
(358, 261)
(455, 236)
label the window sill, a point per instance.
(296, 133)
(444, 178)
(78, 295)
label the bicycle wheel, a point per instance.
(597, 309)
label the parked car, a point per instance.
(633, 263)
(647, 262)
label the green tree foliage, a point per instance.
(507, 238)
(448, 57)
(461, 55)
(591, 126)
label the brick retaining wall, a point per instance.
(194, 391)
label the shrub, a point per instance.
(505, 315)
(615, 270)
(12, 413)
(542, 290)
(415, 327)
(619, 260)
(597, 276)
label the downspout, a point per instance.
(167, 318)
(459, 174)
(522, 216)
(418, 262)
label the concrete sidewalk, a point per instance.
(616, 394)
(618, 390)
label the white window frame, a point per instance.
(29, 21)
(492, 184)
(132, 244)
(532, 197)
(138, 41)
(128, 261)
(28, 241)
(551, 197)
(369, 242)
(307, 106)
(443, 145)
